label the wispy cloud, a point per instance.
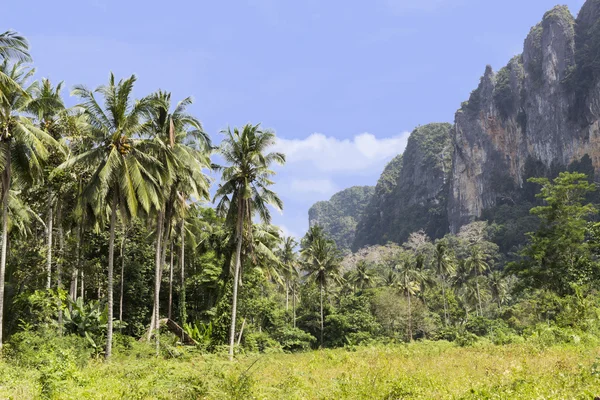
(362, 153)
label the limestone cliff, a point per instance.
(340, 215)
(411, 193)
(544, 105)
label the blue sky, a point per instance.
(341, 82)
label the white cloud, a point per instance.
(320, 186)
(363, 153)
(286, 232)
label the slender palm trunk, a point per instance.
(157, 279)
(111, 259)
(75, 275)
(49, 230)
(122, 286)
(294, 303)
(410, 333)
(236, 275)
(59, 264)
(478, 296)
(445, 302)
(287, 295)
(5, 189)
(182, 271)
(171, 283)
(82, 286)
(322, 317)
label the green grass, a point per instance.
(427, 370)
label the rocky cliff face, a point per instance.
(544, 105)
(339, 216)
(411, 193)
(536, 116)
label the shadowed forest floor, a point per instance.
(425, 370)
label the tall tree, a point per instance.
(410, 277)
(182, 147)
(322, 261)
(244, 191)
(477, 264)
(124, 177)
(444, 267)
(558, 254)
(23, 147)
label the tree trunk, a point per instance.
(294, 303)
(49, 242)
(182, 307)
(410, 334)
(157, 278)
(82, 287)
(75, 275)
(322, 317)
(445, 302)
(60, 263)
(478, 296)
(287, 295)
(5, 190)
(171, 283)
(122, 286)
(236, 275)
(111, 259)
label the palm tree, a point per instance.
(444, 267)
(322, 262)
(410, 278)
(48, 108)
(23, 147)
(13, 47)
(183, 149)
(289, 265)
(124, 176)
(244, 191)
(498, 287)
(476, 263)
(363, 276)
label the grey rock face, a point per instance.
(530, 108)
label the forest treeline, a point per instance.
(108, 227)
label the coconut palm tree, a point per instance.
(125, 177)
(363, 276)
(13, 47)
(444, 267)
(244, 191)
(322, 261)
(48, 107)
(498, 287)
(179, 143)
(23, 147)
(410, 276)
(477, 264)
(289, 263)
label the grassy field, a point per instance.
(417, 371)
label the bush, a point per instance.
(295, 339)
(261, 342)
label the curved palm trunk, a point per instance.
(170, 283)
(111, 259)
(5, 189)
(322, 318)
(236, 276)
(182, 307)
(49, 230)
